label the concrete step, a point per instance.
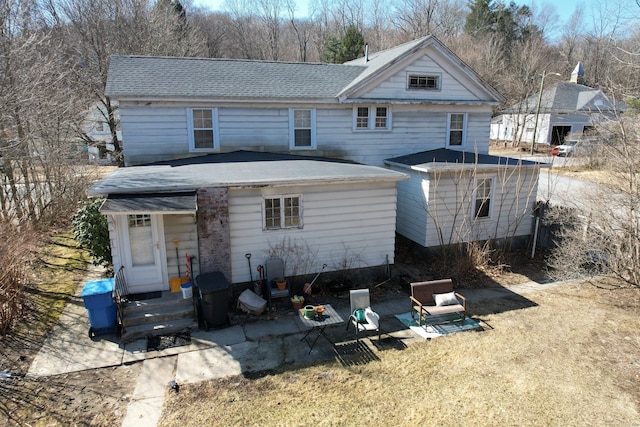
(157, 314)
(137, 332)
(168, 299)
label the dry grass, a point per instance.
(569, 359)
(585, 174)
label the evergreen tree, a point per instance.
(352, 45)
(481, 17)
(339, 50)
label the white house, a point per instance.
(233, 157)
(566, 107)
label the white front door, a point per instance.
(143, 250)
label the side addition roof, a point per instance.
(445, 159)
(238, 169)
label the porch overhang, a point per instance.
(151, 203)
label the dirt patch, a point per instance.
(97, 397)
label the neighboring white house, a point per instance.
(97, 137)
(233, 157)
(565, 108)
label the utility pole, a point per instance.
(535, 123)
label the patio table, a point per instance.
(319, 323)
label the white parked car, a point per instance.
(573, 146)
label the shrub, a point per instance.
(12, 278)
(91, 231)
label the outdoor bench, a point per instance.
(434, 298)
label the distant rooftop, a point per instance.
(567, 97)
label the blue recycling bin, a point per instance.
(98, 300)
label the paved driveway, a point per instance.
(565, 191)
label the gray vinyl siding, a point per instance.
(452, 87)
(353, 223)
(161, 132)
(411, 220)
(153, 133)
(449, 196)
(183, 228)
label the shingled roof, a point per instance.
(146, 77)
(568, 97)
(169, 77)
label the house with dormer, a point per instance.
(327, 161)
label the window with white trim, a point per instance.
(282, 212)
(482, 202)
(302, 128)
(423, 81)
(203, 129)
(372, 118)
(456, 129)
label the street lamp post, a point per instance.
(535, 123)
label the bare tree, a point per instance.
(604, 238)
(270, 15)
(214, 29)
(302, 29)
(40, 181)
(416, 18)
(244, 28)
(98, 29)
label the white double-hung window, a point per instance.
(282, 212)
(372, 118)
(302, 128)
(456, 129)
(203, 129)
(482, 198)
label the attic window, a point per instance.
(424, 81)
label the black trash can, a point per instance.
(213, 299)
